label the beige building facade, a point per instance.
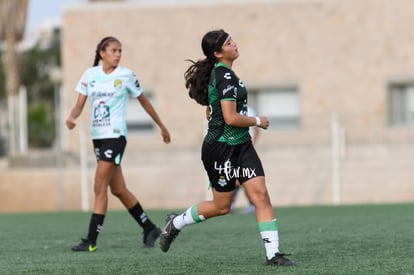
(335, 78)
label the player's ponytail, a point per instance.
(101, 46)
(197, 76)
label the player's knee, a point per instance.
(260, 198)
(117, 192)
(223, 210)
(98, 190)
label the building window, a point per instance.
(137, 118)
(401, 104)
(280, 104)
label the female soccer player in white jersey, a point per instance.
(227, 151)
(108, 87)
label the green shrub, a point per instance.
(40, 125)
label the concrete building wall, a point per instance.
(340, 54)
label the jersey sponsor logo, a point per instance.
(101, 115)
(101, 111)
(227, 76)
(241, 84)
(108, 153)
(102, 94)
(228, 88)
(137, 83)
(92, 83)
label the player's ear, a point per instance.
(218, 55)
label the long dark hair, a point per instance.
(101, 46)
(197, 76)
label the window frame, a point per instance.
(283, 124)
(398, 106)
(140, 122)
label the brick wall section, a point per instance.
(340, 53)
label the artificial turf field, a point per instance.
(362, 239)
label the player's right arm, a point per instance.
(227, 85)
(76, 111)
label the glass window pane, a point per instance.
(401, 104)
(280, 105)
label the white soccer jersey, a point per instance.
(108, 97)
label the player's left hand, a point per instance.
(165, 135)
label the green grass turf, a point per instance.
(367, 239)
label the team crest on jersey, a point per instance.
(117, 83)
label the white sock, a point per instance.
(189, 216)
(270, 237)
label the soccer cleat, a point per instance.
(151, 236)
(280, 259)
(169, 233)
(84, 245)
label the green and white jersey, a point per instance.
(108, 98)
(225, 85)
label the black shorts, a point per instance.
(224, 164)
(109, 149)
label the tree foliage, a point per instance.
(35, 66)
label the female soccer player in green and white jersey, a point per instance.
(227, 151)
(108, 87)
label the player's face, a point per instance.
(111, 55)
(229, 49)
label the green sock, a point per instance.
(190, 216)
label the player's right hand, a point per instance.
(70, 123)
(264, 122)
